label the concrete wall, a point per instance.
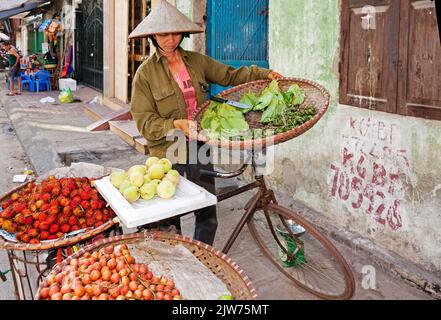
(121, 66)
(374, 173)
(24, 40)
(109, 48)
(19, 40)
(115, 54)
(194, 10)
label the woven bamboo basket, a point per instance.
(221, 265)
(316, 96)
(49, 245)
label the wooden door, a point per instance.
(419, 69)
(370, 54)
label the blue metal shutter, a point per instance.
(237, 33)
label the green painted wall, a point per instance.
(186, 8)
(35, 40)
(304, 39)
(304, 42)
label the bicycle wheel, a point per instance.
(302, 253)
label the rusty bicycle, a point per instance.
(294, 245)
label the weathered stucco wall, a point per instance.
(196, 11)
(374, 173)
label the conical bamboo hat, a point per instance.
(165, 18)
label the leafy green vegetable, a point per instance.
(223, 121)
(280, 111)
(297, 95)
(274, 87)
(250, 99)
(264, 100)
(267, 97)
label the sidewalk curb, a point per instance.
(39, 151)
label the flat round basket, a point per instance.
(54, 244)
(316, 96)
(220, 265)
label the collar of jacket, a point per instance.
(184, 54)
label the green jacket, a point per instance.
(157, 99)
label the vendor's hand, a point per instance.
(275, 76)
(187, 126)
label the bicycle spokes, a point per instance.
(302, 253)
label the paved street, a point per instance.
(46, 136)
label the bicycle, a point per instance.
(294, 245)
(297, 248)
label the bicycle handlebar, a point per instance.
(223, 175)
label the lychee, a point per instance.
(53, 228)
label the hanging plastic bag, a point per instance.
(66, 96)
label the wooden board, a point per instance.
(97, 111)
(127, 131)
(141, 145)
(103, 123)
(115, 104)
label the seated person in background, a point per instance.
(34, 63)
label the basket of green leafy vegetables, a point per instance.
(278, 111)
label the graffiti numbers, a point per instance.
(368, 178)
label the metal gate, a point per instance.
(89, 43)
(237, 33)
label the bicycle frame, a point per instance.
(262, 198)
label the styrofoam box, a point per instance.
(189, 197)
(68, 84)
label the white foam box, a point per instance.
(68, 84)
(188, 198)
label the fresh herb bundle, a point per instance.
(292, 117)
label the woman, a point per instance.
(167, 89)
(14, 68)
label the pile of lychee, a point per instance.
(155, 178)
(108, 274)
(52, 209)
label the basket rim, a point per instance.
(275, 139)
(54, 244)
(156, 235)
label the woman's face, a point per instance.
(168, 41)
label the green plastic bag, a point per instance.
(66, 96)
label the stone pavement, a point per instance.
(54, 135)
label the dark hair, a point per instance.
(153, 40)
(155, 43)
